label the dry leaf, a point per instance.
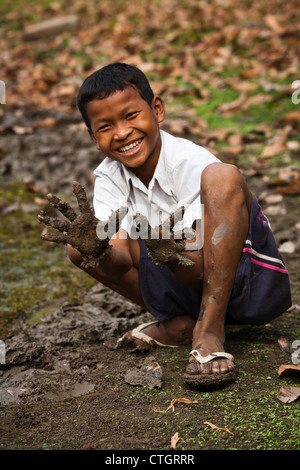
(293, 188)
(234, 105)
(278, 146)
(293, 117)
(286, 368)
(174, 440)
(47, 122)
(213, 426)
(182, 400)
(272, 23)
(20, 130)
(288, 394)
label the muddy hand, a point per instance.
(164, 246)
(78, 230)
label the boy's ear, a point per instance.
(158, 107)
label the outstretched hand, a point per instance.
(78, 230)
(165, 246)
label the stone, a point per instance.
(51, 27)
(148, 374)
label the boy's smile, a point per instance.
(126, 129)
(131, 148)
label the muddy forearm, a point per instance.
(114, 261)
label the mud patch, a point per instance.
(219, 233)
(19, 385)
(48, 360)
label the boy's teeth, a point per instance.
(130, 146)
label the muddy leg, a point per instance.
(125, 284)
(176, 331)
(227, 202)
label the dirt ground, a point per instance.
(63, 385)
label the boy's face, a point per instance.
(126, 129)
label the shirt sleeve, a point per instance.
(108, 198)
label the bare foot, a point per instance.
(217, 371)
(175, 332)
(209, 343)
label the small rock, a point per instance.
(275, 210)
(148, 374)
(51, 27)
(274, 198)
(287, 247)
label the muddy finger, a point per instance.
(81, 197)
(55, 237)
(53, 222)
(62, 206)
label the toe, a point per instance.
(193, 367)
(215, 367)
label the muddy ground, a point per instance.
(63, 385)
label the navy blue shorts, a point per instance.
(261, 290)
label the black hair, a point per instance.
(109, 79)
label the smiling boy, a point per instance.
(237, 276)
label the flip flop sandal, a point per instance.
(209, 380)
(138, 334)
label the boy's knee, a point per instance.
(223, 182)
(217, 173)
(74, 255)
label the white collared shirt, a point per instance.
(175, 183)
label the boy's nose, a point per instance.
(122, 132)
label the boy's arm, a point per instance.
(80, 231)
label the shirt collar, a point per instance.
(159, 175)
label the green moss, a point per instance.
(34, 275)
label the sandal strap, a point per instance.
(210, 357)
(138, 334)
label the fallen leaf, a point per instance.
(234, 105)
(273, 149)
(31, 186)
(47, 122)
(213, 426)
(272, 23)
(288, 394)
(257, 100)
(293, 188)
(171, 407)
(295, 306)
(182, 400)
(293, 117)
(238, 85)
(174, 440)
(277, 147)
(20, 130)
(287, 368)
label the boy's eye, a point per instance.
(103, 128)
(132, 115)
